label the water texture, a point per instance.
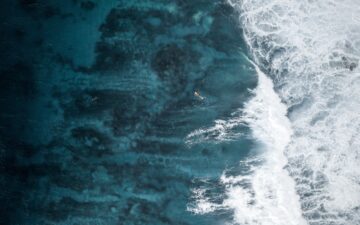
(158, 112)
(97, 101)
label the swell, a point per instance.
(311, 49)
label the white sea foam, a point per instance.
(311, 49)
(220, 132)
(270, 197)
(265, 193)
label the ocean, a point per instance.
(158, 112)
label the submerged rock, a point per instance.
(87, 5)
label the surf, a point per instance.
(305, 117)
(269, 196)
(264, 193)
(311, 50)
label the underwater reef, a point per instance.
(97, 98)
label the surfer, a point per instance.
(197, 94)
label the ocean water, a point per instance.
(158, 112)
(97, 101)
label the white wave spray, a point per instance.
(311, 49)
(270, 197)
(265, 193)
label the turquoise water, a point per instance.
(97, 99)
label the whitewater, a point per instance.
(304, 114)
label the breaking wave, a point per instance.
(309, 127)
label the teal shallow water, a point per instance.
(100, 138)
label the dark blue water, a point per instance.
(97, 98)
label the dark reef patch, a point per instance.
(170, 62)
(41, 10)
(111, 57)
(18, 80)
(18, 91)
(50, 11)
(19, 33)
(28, 3)
(87, 5)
